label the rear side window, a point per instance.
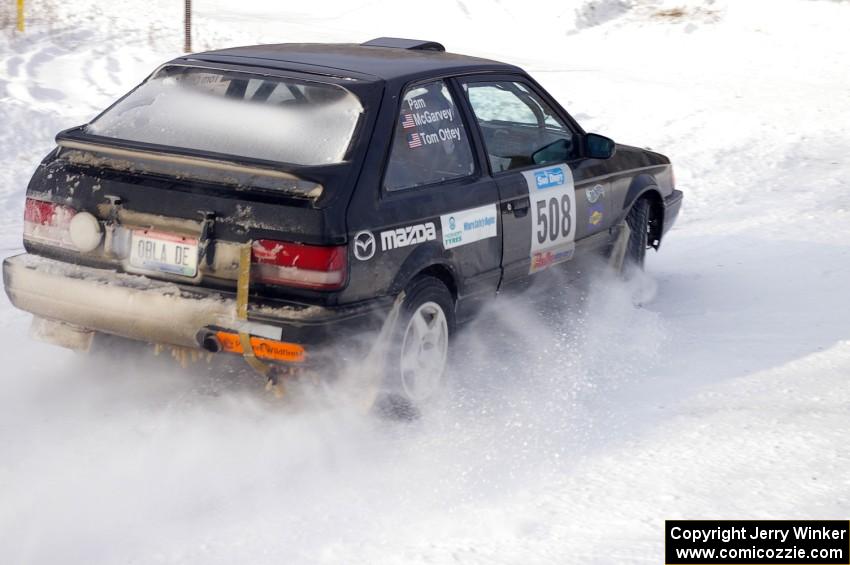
(519, 128)
(278, 119)
(430, 143)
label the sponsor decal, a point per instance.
(595, 213)
(545, 259)
(548, 178)
(468, 226)
(595, 218)
(264, 348)
(409, 235)
(364, 245)
(594, 194)
(553, 215)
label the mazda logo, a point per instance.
(364, 245)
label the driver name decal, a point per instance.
(410, 119)
(429, 126)
(442, 135)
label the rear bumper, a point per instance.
(140, 308)
(672, 206)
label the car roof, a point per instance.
(355, 60)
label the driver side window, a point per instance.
(519, 128)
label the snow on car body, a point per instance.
(334, 178)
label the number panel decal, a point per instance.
(553, 215)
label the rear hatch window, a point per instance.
(286, 120)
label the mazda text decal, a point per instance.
(467, 226)
(410, 235)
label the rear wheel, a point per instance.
(417, 359)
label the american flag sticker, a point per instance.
(413, 140)
(407, 121)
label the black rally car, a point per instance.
(271, 200)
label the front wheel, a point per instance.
(417, 359)
(638, 222)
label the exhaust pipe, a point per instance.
(208, 341)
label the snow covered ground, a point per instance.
(569, 432)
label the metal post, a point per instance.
(20, 15)
(187, 43)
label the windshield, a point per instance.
(272, 118)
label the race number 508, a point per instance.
(554, 220)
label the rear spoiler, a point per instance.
(174, 159)
(306, 182)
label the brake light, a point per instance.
(47, 222)
(296, 264)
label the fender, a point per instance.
(645, 184)
(640, 185)
(424, 256)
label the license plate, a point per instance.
(164, 252)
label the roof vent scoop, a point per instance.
(399, 43)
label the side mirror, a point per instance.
(556, 152)
(598, 146)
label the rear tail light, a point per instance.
(295, 264)
(47, 222)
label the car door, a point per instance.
(533, 154)
(435, 205)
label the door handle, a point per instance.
(518, 207)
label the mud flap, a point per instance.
(370, 377)
(618, 253)
(61, 334)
